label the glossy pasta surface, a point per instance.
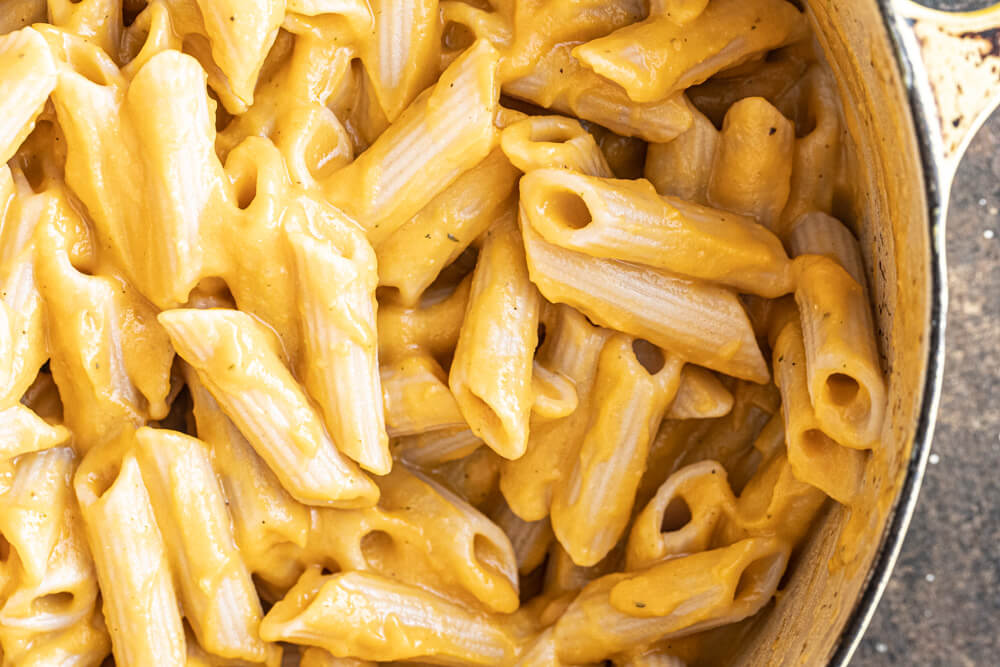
(462, 332)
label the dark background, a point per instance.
(942, 605)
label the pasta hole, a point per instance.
(648, 355)
(675, 516)
(376, 546)
(457, 37)
(541, 335)
(568, 209)
(4, 549)
(488, 419)
(53, 603)
(555, 130)
(245, 188)
(759, 577)
(841, 390)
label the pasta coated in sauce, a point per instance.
(498, 332)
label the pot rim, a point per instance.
(923, 111)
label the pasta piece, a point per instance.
(625, 155)
(564, 577)
(183, 186)
(21, 14)
(436, 447)
(645, 58)
(629, 221)
(416, 397)
(29, 77)
(635, 383)
(23, 432)
(241, 33)
(846, 385)
(402, 54)
(673, 440)
(213, 582)
(560, 83)
(474, 478)
(620, 611)
(814, 456)
(414, 255)
(357, 10)
(682, 167)
(445, 132)
(336, 297)
(817, 233)
(317, 657)
(571, 348)
(140, 602)
(700, 396)
(54, 585)
(530, 539)
(752, 170)
(92, 20)
(538, 142)
(269, 526)
(430, 328)
(346, 614)
(82, 644)
(705, 325)
(491, 372)
(555, 394)
(238, 361)
(42, 398)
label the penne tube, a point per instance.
(682, 517)
(629, 221)
(417, 398)
(817, 233)
(530, 539)
(817, 157)
(336, 297)
(564, 577)
(42, 398)
(752, 170)
(491, 372)
(213, 583)
(700, 396)
(22, 13)
(358, 10)
(269, 526)
(474, 478)
(237, 360)
(175, 131)
(703, 324)
(442, 134)
(814, 456)
(559, 82)
(845, 378)
(82, 644)
(432, 327)
(240, 35)
(91, 20)
(681, 168)
(591, 507)
(346, 615)
(539, 142)
(433, 448)
(29, 77)
(54, 584)
(140, 602)
(402, 53)
(415, 254)
(624, 610)
(555, 394)
(645, 58)
(22, 432)
(673, 440)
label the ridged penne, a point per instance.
(22, 432)
(701, 395)
(628, 220)
(539, 142)
(752, 170)
(682, 167)
(645, 60)
(345, 614)
(269, 526)
(571, 348)
(530, 539)
(621, 611)
(417, 398)
(591, 507)
(140, 602)
(445, 227)
(443, 133)
(213, 582)
(845, 378)
(336, 296)
(82, 644)
(431, 328)
(29, 77)
(433, 448)
(238, 361)
(490, 374)
(817, 233)
(474, 478)
(704, 324)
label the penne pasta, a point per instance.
(591, 507)
(530, 539)
(339, 613)
(29, 77)
(417, 398)
(82, 644)
(490, 374)
(237, 360)
(539, 142)
(22, 13)
(474, 478)
(431, 328)
(817, 233)
(22, 432)
(701, 395)
(434, 448)
(628, 221)
(682, 167)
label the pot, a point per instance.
(916, 84)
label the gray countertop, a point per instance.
(942, 605)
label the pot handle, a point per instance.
(961, 54)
